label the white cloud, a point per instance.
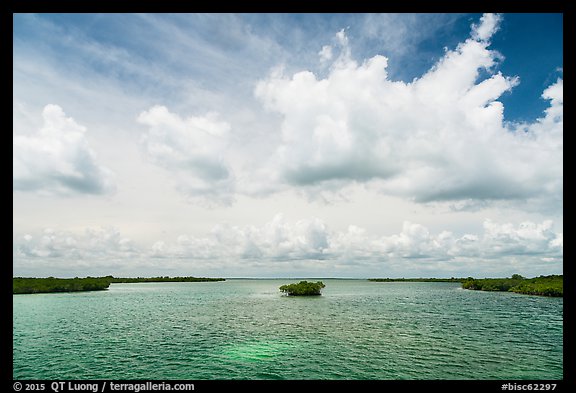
(528, 238)
(343, 128)
(440, 138)
(489, 24)
(193, 150)
(93, 244)
(531, 248)
(277, 240)
(58, 159)
(553, 121)
(325, 53)
(287, 243)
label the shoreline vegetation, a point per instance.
(303, 288)
(542, 286)
(28, 285)
(552, 285)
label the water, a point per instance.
(244, 329)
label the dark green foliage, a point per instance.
(491, 284)
(303, 288)
(51, 284)
(417, 279)
(544, 285)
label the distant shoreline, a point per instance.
(551, 286)
(417, 279)
(31, 285)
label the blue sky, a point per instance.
(535, 60)
(347, 145)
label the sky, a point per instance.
(288, 145)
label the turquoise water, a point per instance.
(244, 329)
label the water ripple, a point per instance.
(244, 329)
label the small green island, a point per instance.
(552, 285)
(303, 288)
(27, 285)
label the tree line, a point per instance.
(552, 285)
(21, 285)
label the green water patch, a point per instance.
(259, 351)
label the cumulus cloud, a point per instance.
(193, 150)
(287, 243)
(441, 137)
(311, 239)
(489, 24)
(325, 53)
(58, 159)
(277, 240)
(528, 238)
(93, 243)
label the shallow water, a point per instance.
(245, 329)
